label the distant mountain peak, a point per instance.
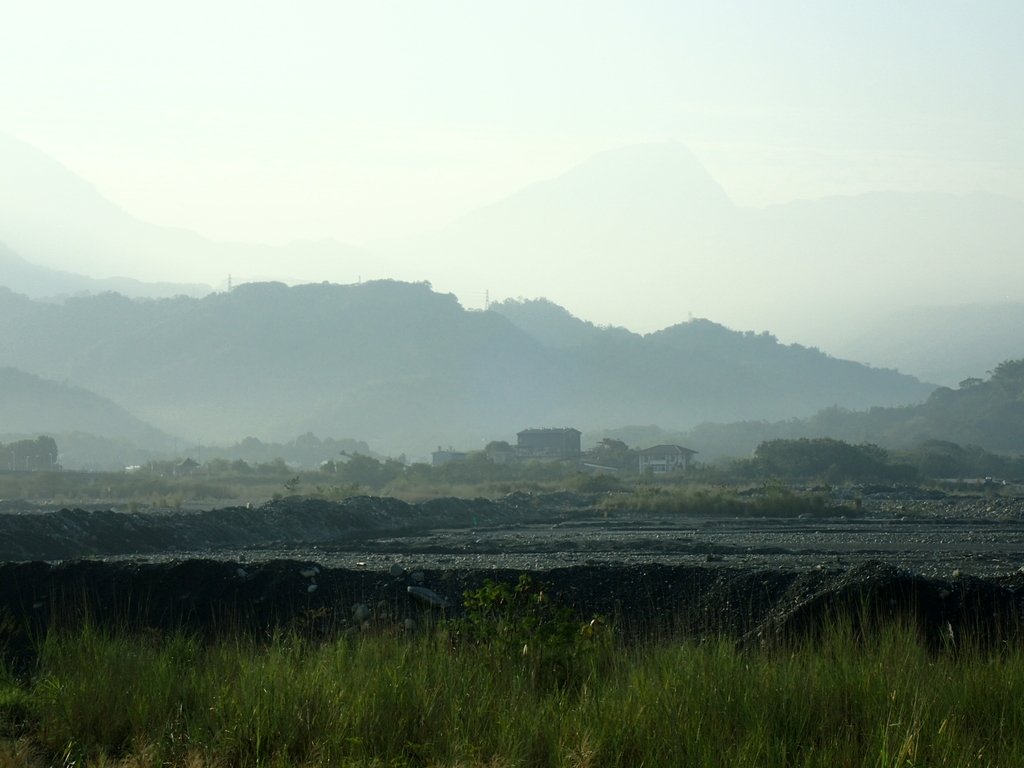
(29, 170)
(667, 168)
(654, 178)
(55, 219)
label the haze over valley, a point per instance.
(646, 219)
(406, 368)
(400, 382)
(661, 237)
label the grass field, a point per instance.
(444, 698)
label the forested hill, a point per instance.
(980, 415)
(406, 368)
(702, 368)
(30, 405)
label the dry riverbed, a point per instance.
(953, 563)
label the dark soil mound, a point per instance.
(640, 595)
(212, 598)
(74, 533)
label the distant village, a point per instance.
(563, 444)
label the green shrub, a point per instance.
(522, 622)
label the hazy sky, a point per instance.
(360, 121)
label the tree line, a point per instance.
(30, 455)
(826, 460)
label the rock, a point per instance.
(360, 612)
(428, 596)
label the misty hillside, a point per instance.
(944, 344)
(554, 326)
(32, 280)
(711, 364)
(55, 219)
(406, 368)
(640, 236)
(651, 222)
(983, 413)
(30, 405)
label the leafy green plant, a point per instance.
(523, 621)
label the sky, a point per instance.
(276, 121)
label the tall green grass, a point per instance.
(101, 698)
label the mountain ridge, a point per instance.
(407, 368)
(32, 404)
(35, 281)
(806, 269)
(640, 231)
(55, 219)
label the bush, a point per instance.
(523, 622)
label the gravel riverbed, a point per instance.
(951, 562)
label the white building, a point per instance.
(660, 459)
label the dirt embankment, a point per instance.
(371, 558)
(287, 523)
(751, 606)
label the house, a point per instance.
(500, 452)
(548, 443)
(660, 459)
(187, 467)
(441, 457)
